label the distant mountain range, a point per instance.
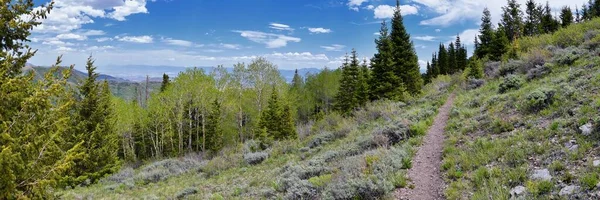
(139, 72)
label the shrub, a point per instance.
(557, 166)
(539, 99)
(592, 40)
(320, 181)
(510, 83)
(534, 58)
(492, 69)
(399, 179)
(510, 67)
(301, 190)
(321, 139)
(538, 71)
(124, 175)
(474, 83)
(474, 69)
(395, 132)
(256, 157)
(251, 146)
(567, 56)
(539, 187)
(186, 192)
(164, 169)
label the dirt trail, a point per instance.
(425, 174)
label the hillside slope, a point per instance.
(364, 156)
(531, 131)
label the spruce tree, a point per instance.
(532, 20)
(549, 24)
(442, 62)
(500, 44)
(363, 85)
(594, 8)
(288, 127)
(165, 82)
(486, 35)
(512, 20)
(435, 71)
(451, 68)
(347, 97)
(585, 14)
(384, 83)
(428, 73)
(461, 54)
(270, 120)
(213, 128)
(297, 81)
(566, 16)
(406, 63)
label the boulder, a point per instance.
(568, 190)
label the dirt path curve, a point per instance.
(425, 173)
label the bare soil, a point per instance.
(425, 173)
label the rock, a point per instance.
(568, 190)
(517, 191)
(586, 129)
(596, 163)
(541, 174)
(574, 148)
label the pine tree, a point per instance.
(384, 83)
(213, 128)
(297, 81)
(475, 69)
(435, 71)
(566, 16)
(428, 73)
(594, 8)
(512, 20)
(406, 63)
(500, 44)
(486, 35)
(451, 68)
(442, 62)
(461, 54)
(270, 119)
(532, 20)
(347, 98)
(165, 83)
(363, 85)
(288, 128)
(549, 24)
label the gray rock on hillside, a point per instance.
(541, 174)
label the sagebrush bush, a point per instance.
(255, 157)
(539, 99)
(538, 72)
(164, 169)
(186, 192)
(124, 175)
(510, 83)
(567, 56)
(491, 69)
(395, 132)
(592, 40)
(510, 67)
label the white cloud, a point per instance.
(387, 11)
(68, 15)
(455, 11)
(281, 27)
(71, 36)
(183, 43)
(99, 48)
(319, 30)
(377, 33)
(269, 39)
(130, 7)
(136, 39)
(438, 30)
(370, 7)
(64, 49)
(425, 38)
(296, 56)
(230, 46)
(467, 37)
(104, 39)
(334, 47)
(423, 66)
(354, 4)
(93, 33)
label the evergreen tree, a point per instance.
(270, 119)
(500, 45)
(549, 24)
(165, 83)
(461, 54)
(451, 68)
(486, 35)
(347, 98)
(428, 73)
(594, 8)
(384, 83)
(532, 20)
(406, 63)
(585, 14)
(297, 81)
(442, 60)
(288, 128)
(475, 69)
(566, 16)
(363, 85)
(435, 71)
(213, 128)
(512, 20)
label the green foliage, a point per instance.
(589, 180)
(347, 98)
(566, 16)
(165, 83)
(474, 69)
(404, 57)
(384, 83)
(539, 99)
(510, 83)
(320, 181)
(539, 187)
(484, 45)
(213, 128)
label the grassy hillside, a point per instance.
(361, 156)
(531, 131)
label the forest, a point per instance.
(57, 135)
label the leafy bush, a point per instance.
(321, 139)
(539, 99)
(567, 56)
(474, 83)
(251, 146)
(395, 132)
(474, 69)
(510, 83)
(399, 179)
(320, 181)
(589, 180)
(256, 157)
(538, 71)
(510, 67)
(301, 190)
(491, 69)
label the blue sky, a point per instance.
(292, 34)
